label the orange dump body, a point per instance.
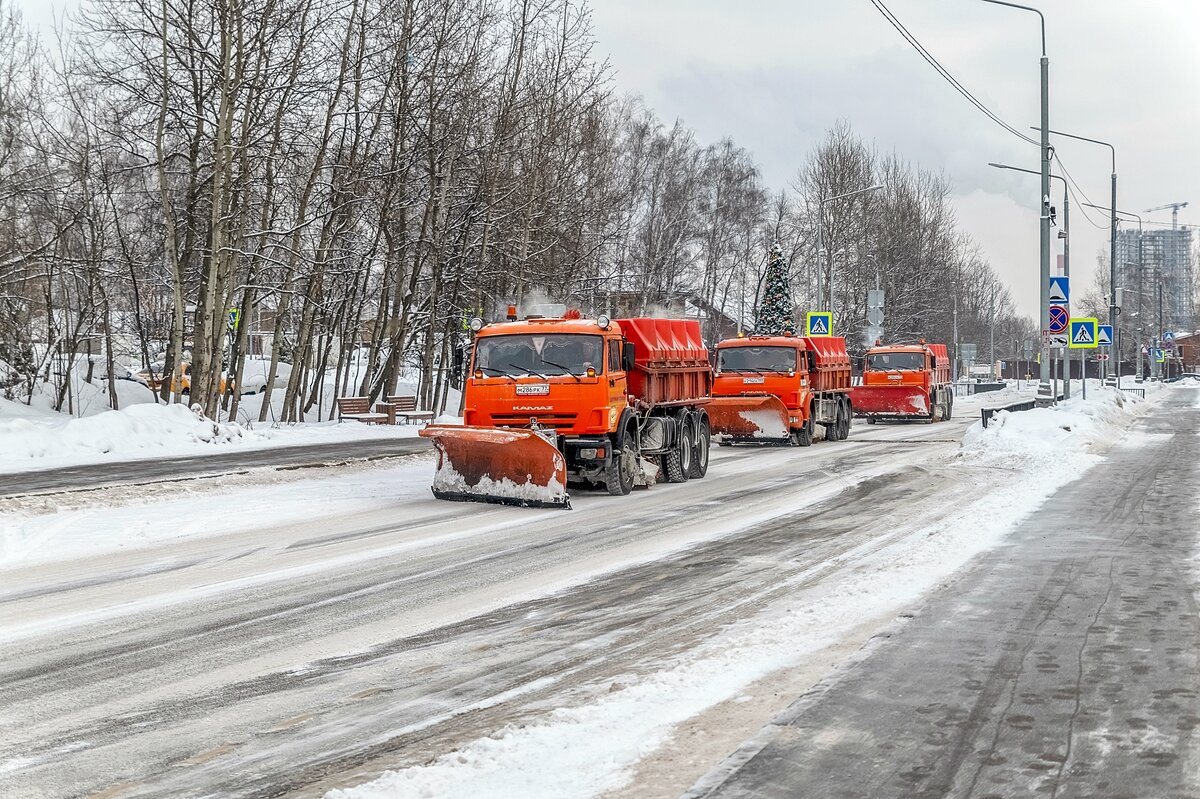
(902, 381)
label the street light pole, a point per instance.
(1113, 288)
(1066, 237)
(821, 305)
(1044, 396)
(1112, 257)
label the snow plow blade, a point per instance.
(890, 402)
(502, 466)
(762, 417)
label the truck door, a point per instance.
(614, 375)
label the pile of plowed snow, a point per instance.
(38, 443)
(1064, 437)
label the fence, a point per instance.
(1025, 405)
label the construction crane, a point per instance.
(1174, 211)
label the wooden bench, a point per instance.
(359, 409)
(407, 407)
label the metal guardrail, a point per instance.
(1141, 392)
(965, 388)
(1025, 405)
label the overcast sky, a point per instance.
(776, 74)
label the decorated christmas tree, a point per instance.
(775, 317)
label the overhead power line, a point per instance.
(945, 73)
(1078, 192)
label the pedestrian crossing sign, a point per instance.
(1083, 333)
(818, 323)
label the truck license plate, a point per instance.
(533, 389)
(753, 381)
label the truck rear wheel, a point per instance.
(703, 439)
(839, 427)
(620, 472)
(678, 462)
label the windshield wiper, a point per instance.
(497, 371)
(527, 371)
(565, 370)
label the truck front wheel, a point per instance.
(621, 471)
(803, 436)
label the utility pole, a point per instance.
(1066, 237)
(954, 377)
(1158, 331)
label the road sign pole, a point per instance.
(1083, 370)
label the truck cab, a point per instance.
(905, 381)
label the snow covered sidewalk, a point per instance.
(1064, 661)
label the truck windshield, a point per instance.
(891, 361)
(545, 355)
(756, 359)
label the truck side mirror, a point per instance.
(812, 360)
(628, 351)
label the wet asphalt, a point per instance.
(1061, 664)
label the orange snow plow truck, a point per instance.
(552, 400)
(776, 389)
(905, 381)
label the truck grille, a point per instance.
(559, 421)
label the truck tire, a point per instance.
(703, 438)
(834, 431)
(847, 421)
(803, 436)
(677, 464)
(621, 468)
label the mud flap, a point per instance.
(498, 465)
(762, 417)
(890, 401)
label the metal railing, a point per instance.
(965, 388)
(1024, 405)
(1141, 392)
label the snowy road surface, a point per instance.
(318, 643)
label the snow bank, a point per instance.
(46, 441)
(1064, 436)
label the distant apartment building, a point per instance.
(1165, 254)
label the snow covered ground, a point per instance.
(34, 436)
(594, 738)
(39, 440)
